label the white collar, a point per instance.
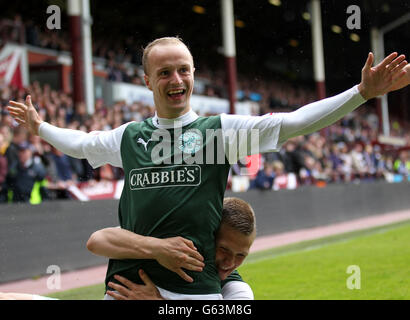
(164, 123)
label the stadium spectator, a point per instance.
(358, 161)
(32, 33)
(7, 137)
(347, 167)
(60, 173)
(292, 158)
(29, 171)
(12, 155)
(12, 30)
(371, 161)
(336, 163)
(265, 177)
(80, 114)
(7, 121)
(402, 164)
(309, 173)
(379, 159)
(282, 179)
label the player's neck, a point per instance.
(168, 123)
(172, 114)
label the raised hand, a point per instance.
(382, 78)
(26, 115)
(177, 253)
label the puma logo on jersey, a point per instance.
(140, 140)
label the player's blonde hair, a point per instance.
(239, 215)
(161, 41)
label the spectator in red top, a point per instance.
(3, 172)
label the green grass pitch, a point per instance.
(318, 269)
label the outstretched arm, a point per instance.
(273, 129)
(172, 253)
(99, 147)
(390, 74)
(383, 78)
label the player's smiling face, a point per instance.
(171, 79)
(232, 247)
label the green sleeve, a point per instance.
(234, 276)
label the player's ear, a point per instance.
(146, 79)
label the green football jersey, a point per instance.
(177, 197)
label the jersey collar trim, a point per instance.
(185, 119)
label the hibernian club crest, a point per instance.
(190, 141)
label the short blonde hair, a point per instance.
(160, 41)
(278, 165)
(239, 215)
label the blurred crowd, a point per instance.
(346, 152)
(121, 59)
(32, 170)
(27, 162)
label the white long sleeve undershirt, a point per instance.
(98, 147)
(319, 114)
(274, 129)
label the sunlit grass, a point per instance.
(318, 269)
